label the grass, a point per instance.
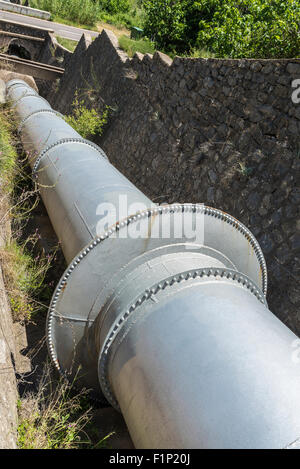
(8, 154)
(131, 46)
(23, 273)
(57, 417)
(134, 17)
(24, 279)
(54, 417)
(77, 24)
(201, 53)
(67, 43)
(118, 31)
(80, 11)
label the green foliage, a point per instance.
(115, 6)
(87, 122)
(8, 155)
(132, 46)
(165, 22)
(81, 11)
(86, 13)
(256, 28)
(228, 28)
(122, 13)
(24, 277)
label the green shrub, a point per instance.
(115, 6)
(87, 122)
(165, 22)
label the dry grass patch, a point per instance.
(118, 31)
(54, 418)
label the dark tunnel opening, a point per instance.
(18, 51)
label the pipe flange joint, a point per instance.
(196, 208)
(194, 274)
(51, 111)
(61, 142)
(25, 95)
(17, 82)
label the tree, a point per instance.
(233, 28)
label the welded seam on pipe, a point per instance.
(61, 142)
(16, 82)
(31, 92)
(20, 85)
(148, 213)
(51, 111)
(27, 95)
(224, 274)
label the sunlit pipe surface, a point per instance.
(173, 330)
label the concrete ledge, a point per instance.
(21, 36)
(8, 384)
(45, 15)
(31, 68)
(5, 22)
(5, 76)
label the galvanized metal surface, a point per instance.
(206, 366)
(173, 330)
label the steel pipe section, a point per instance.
(162, 310)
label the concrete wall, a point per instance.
(222, 132)
(7, 6)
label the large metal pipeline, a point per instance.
(162, 310)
